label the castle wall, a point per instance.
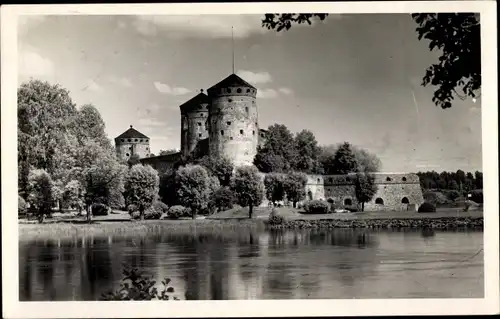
(233, 124)
(162, 163)
(125, 147)
(194, 128)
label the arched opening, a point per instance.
(379, 201)
(238, 90)
(405, 200)
(310, 195)
(347, 202)
(388, 179)
(404, 179)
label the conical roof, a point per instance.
(132, 133)
(196, 101)
(231, 81)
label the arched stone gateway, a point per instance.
(405, 200)
(379, 201)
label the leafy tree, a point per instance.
(223, 198)
(134, 159)
(277, 154)
(275, 191)
(220, 167)
(365, 188)
(168, 152)
(194, 186)
(327, 159)
(307, 146)
(74, 194)
(141, 187)
(479, 179)
(456, 35)
(40, 195)
(248, 187)
(294, 186)
(344, 160)
(90, 126)
(168, 192)
(367, 162)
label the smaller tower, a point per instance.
(132, 142)
(194, 116)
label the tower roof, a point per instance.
(231, 81)
(132, 133)
(201, 98)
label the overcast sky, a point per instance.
(351, 78)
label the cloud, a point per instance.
(254, 78)
(123, 81)
(167, 89)
(31, 63)
(211, 26)
(286, 91)
(92, 86)
(267, 93)
(151, 122)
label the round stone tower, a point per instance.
(194, 115)
(132, 142)
(233, 129)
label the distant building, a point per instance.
(132, 142)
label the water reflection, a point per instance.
(341, 263)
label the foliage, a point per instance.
(274, 186)
(141, 187)
(220, 167)
(275, 219)
(435, 198)
(223, 198)
(351, 208)
(156, 211)
(100, 209)
(40, 197)
(457, 36)
(167, 192)
(344, 160)
(194, 187)
(136, 286)
(427, 207)
(22, 206)
(74, 194)
(459, 180)
(134, 159)
(306, 145)
(285, 21)
(294, 186)
(316, 207)
(248, 187)
(178, 211)
(168, 152)
(477, 196)
(277, 154)
(365, 188)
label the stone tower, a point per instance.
(194, 125)
(132, 142)
(233, 124)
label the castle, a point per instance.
(224, 122)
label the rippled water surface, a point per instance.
(265, 265)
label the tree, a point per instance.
(365, 188)
(294, 186)
(141, 187)
(220, 167)
(248, 187)
(307, 146)
(479, 179)
(223, 198)
(273, 183)
(277, 154)
(456, 35)
(90, 126)
(194, 186)
(367, 162)
(168, 191)
(40, 195)
(74, 195)
(168, 152)
(134, 159)
(344, 160)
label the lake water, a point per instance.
(315, 264)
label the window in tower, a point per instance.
(228, 122)
(201, 114)
(222, 132)
(199, 123)
(231, 138)
(248, 90)
(127, 154)
(130, 140)
(147, 148)
(253, 132)
(246, 109)
(123, 140)
(230, 100)
(199, 135)
(135, 140)
(241, 132)
(238, 90)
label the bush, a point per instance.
(156, 210)
(223, 199)
(316, 207)
(22, 208)
(275, 219)
(435, 198)
(452, 194)
(178, 211)
(427, 207)
(100, 210)
(477, 196)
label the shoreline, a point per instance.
(61, 230)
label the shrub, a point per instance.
(427, 207)
(156, 210)
(178, 211)
(275, 219)
(452, 194)
(22, 208)
(435, 198)
(223, 198)
(316, 207)
(477, 196)
(100, 210)
(132, 209)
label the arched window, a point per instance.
(199, 123)
(123, 140)
(241, 132)
(238, 90)
(253, 132)
(246, 109)
(230, 100)
(379, 201)
(127, 154)
(405, 200)
(404, 179)
(248, 90)
(228, 122)
(222, 132)
(318, 180)
(199, 135)
(388, 179)
(310, 195)
(136, 140)
(130, 140)
(347, 202)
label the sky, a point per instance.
(353, 78)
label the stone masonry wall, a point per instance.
(197, 128)
(125, 149)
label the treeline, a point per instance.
(458, 181)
